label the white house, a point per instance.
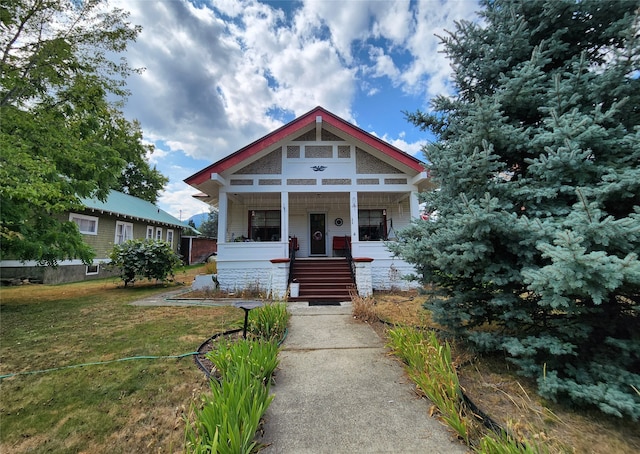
(316, 188)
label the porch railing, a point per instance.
(349, 257)
(293, 247)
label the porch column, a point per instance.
(353, 208)
(284, 216)
(414, 205)
(222, 217)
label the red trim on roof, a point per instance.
(290, 129)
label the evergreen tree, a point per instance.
(209, 228)
(535, 248)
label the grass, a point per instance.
(120, 407)
(511, 400)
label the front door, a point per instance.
(317, 232)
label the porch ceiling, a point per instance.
(312, 199)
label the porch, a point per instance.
(263, 230)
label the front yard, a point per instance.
(126, 406)
(139, 405)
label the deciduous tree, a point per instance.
(61, 136)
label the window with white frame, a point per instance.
(149, 232)
(92, 269)
(124, 232)
(264, 225)
(170, 237)
(87, 225)
(158, 233)
(372, 225)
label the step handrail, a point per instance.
(347, 254)
(292, 262)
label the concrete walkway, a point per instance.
(337, 390)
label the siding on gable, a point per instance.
(328, 136)
(293, 151)
(368, 164)
(270, 164)
(318, 152)
(309, 136)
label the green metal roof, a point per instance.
(129, 206)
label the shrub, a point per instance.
(144, 259)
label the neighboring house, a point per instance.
(320, 185)
(119, 218)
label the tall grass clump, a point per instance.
(504, 443)
(257, 357)
(430, 367)
(230, 415)
(363, 308)
(269, 321)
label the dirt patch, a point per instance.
(201, 359)
(510, 399)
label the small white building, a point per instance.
(310, 189)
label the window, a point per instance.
(92, 269)
(170, 237)
(264, 225)
(158, 233)
(149, 232)
(124, 232)
(372, 225)
(86, 224)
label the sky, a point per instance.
(220, 74)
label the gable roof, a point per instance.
(120, 204)
(292, 128)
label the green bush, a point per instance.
(144, 259)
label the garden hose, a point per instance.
(97, 363)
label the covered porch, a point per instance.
(259, 234)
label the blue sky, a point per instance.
(220, 74)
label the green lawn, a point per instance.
(125, 406)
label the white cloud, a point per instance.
(215, 72)
(178, 200)
(384, 65)
(430, 66)
(412, 148)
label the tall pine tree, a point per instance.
(535, 248)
